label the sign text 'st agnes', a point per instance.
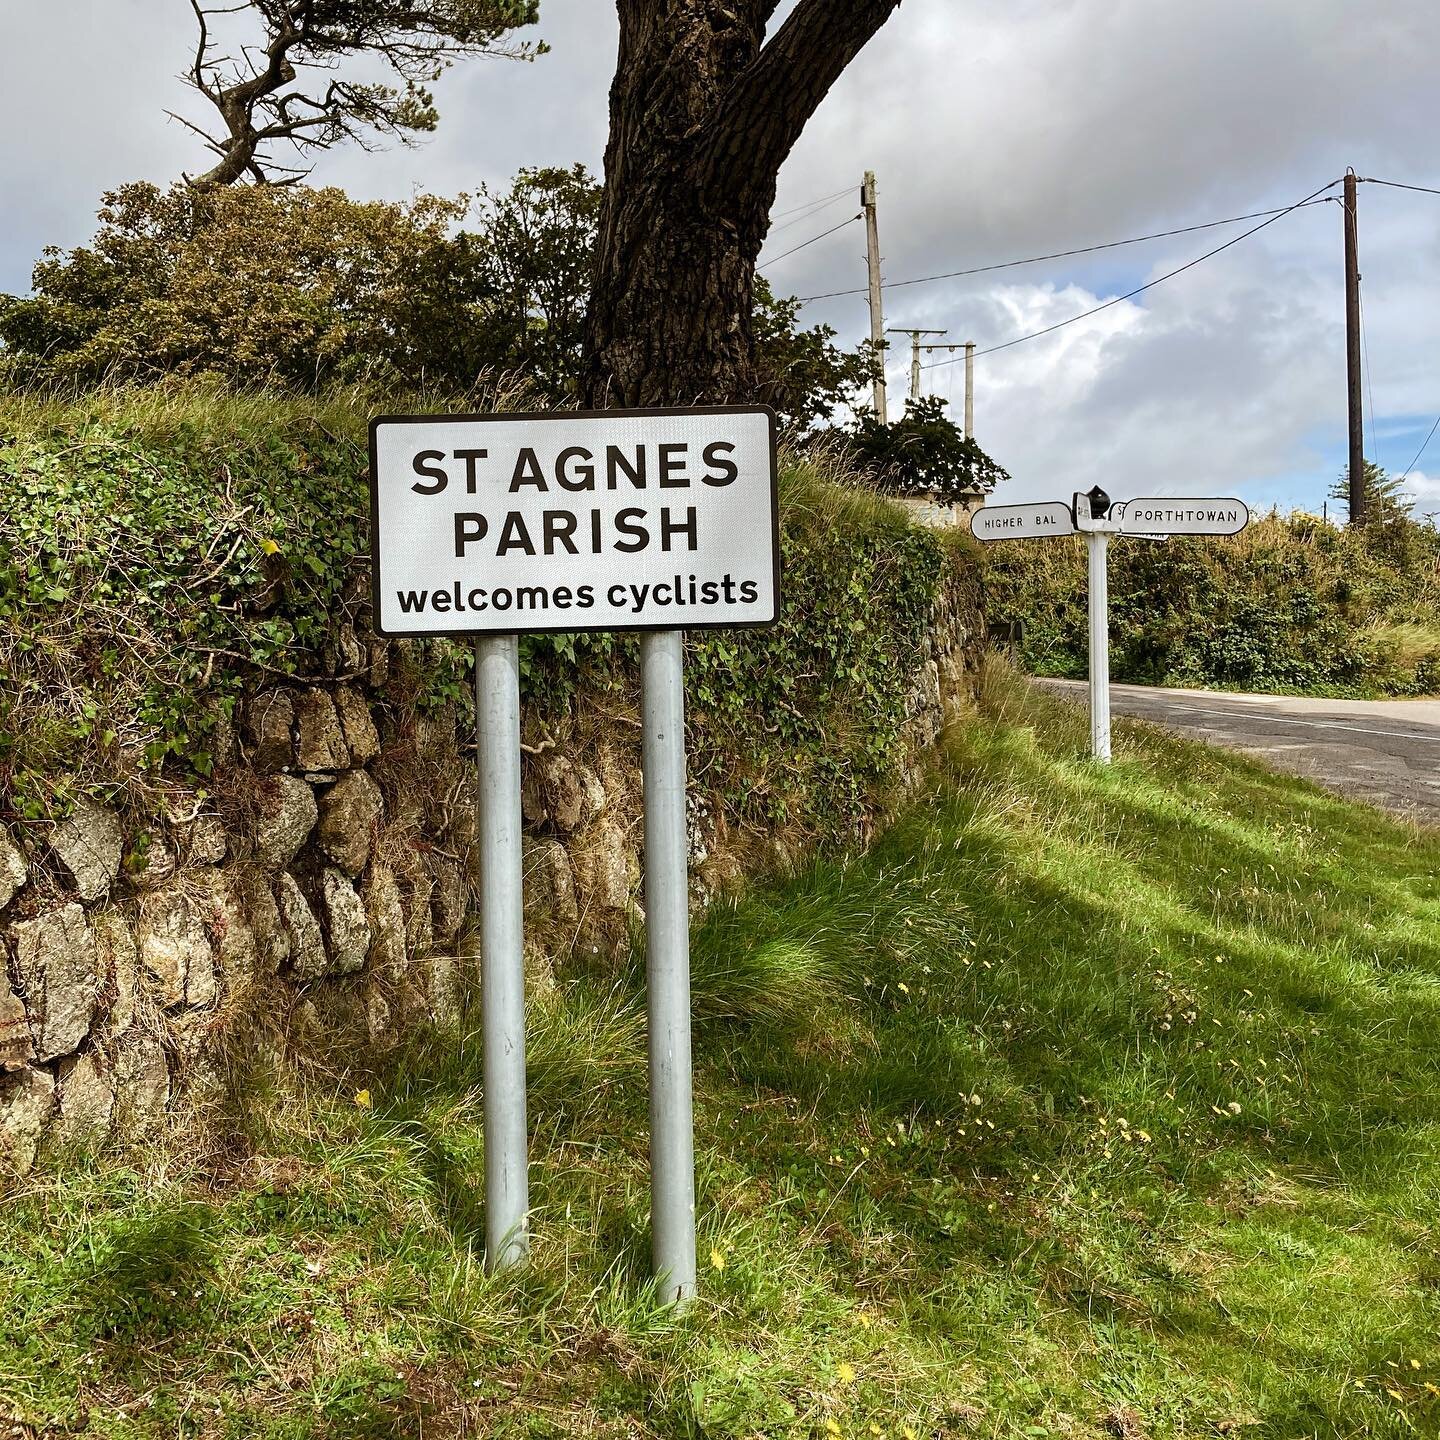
(609, 520)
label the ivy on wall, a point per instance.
(156, 558)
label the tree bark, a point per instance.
(703, 112)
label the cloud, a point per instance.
(996, 132)
(1424, 490)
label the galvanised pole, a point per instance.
(1098, 543)
(497, 725)
(667, 964)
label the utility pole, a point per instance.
(915, 348)
(1352, 354)
(969, 389)
(969, 347)
(877, 299)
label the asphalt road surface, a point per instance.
(1384, 751)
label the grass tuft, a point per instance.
(1090, 1101)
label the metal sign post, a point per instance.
(502, 951)
(667, 964)
(1094, 516)
(1093, 520)
(492, 526)
(1098, 544)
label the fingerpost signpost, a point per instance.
(1095, 516)
(489, 527)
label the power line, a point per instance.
(811, 241)
(809, 213)
(1065, 254)
(1422, 449)
(824, 199)
(1149, 285)
(1369, 378)
(1397, 185)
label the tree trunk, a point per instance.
(703, 112)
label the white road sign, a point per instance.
(1183, 515)
(569, 521)
(1022, 522)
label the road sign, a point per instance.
(1022, 522)
(1183, 515)
(1095, 516)
(494, 526)
(570, 521)
(1094, 513)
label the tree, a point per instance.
(703, 111)
(924, 451)
(537, 251)
(286, 92)
(1382, 496)
(536, 246)
(297, 286)
(801, 374)
(260, 285)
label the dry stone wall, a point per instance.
(323, 891)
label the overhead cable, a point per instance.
(1422, 449)
(823, 200)
(1149, 284)
(1064, 254)
(807, 215)
(1396, 185)
(811, 241)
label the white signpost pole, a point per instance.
(1094, 516)
(1098, 544)
(667, 964)
(502, 951)
(1097, 521)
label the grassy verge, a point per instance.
(1088, 1102)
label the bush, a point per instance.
(259, 285)
(924, 451)
(302, 288)
(1291, 604)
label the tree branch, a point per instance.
(760, 118)
(202, 48)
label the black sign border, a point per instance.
(520, 416)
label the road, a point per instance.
(1384, 751)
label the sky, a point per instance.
(997, 132)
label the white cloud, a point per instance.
(1424, 490)
(996, 132)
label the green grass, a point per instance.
(1088, 1102)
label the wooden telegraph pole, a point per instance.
(915, 348)
(877, 299)
(969, 389)
(1352, 354)
(969, 348)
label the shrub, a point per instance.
(303, 288)
(292, 286)
(1290, 604)
(925, 450)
